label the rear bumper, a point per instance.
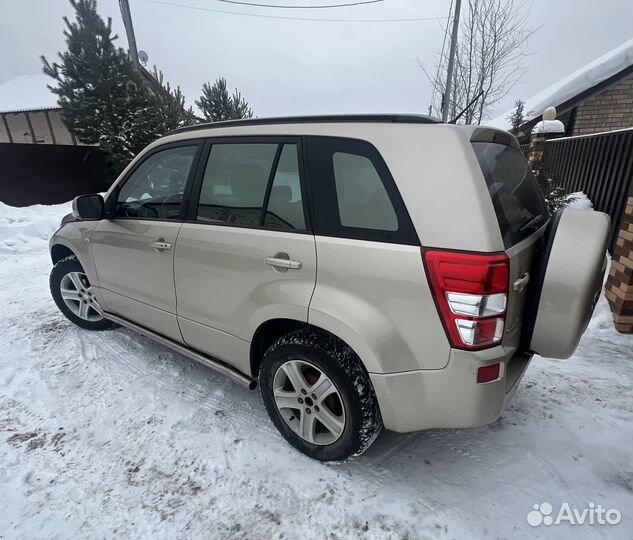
(449, 397)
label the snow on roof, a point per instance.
(586, 77)
(27, 93)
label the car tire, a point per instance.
(336, 414)
(74, 297)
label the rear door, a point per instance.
(371, 289)
(521, 212)
(246, 254)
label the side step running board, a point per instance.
(203, 359)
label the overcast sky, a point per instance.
(288, 67)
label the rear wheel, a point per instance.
(319, 395)
(75, 296)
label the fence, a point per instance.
(525, 149)
(601, 165)
(49, 173)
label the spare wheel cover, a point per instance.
(568, 275)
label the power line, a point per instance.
(277, 6)
(259, 15)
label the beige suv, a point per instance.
(363, 270)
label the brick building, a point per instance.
(611, 108)
(596, 98)
(619, 288)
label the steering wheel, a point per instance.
(164, 212)
(138, 208)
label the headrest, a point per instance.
(280, 194)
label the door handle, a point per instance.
(160, 245)
(521, 283)
(282, 262)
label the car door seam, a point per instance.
(173, 275)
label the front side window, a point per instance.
(252, 185)
(155, 189)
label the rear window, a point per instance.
(515, 193)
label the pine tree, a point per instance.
(517, 118)
(104, 99)
(170, 104)
(216, 104)
(241, 109)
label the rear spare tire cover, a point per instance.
(569, 276)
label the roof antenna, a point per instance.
(470, 104)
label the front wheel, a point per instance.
(319, 396)
(75, 296)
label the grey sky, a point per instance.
(302, 67)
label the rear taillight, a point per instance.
(471, 292)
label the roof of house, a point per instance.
(27, 93)
(571, 88)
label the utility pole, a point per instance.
(129, 30)
(451, 62)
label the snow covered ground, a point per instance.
(106, 435)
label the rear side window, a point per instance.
(515, 193)
(354, 194)
(285, 204)
(361, 196)
(234, 184)
(252, 185)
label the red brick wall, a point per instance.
(619, 288)
(610, 109)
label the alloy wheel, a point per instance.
(309, 402)
(79, 297)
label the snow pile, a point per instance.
(28, 92)
(549, 126)
(108, 435)
(27, 229)
(586, 77)
(579, 201)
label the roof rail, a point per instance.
(323, 119)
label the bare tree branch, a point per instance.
(491, 49)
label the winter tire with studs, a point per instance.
(319, 396)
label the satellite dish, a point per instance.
(143, 57)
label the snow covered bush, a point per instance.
(556, 198)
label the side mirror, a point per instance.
(88, 207)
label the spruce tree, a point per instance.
(517, 117)
(104, 99)
(216, 104)
(170, 104)
(240, 107)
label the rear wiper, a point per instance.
(533, 223)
